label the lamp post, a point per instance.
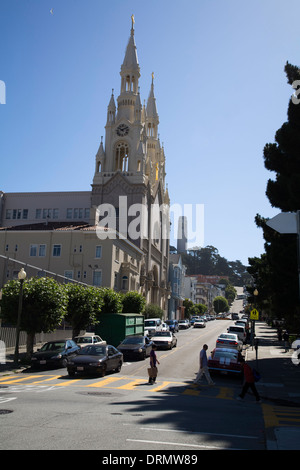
(255, 293)
(21, 277)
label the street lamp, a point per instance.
(21, 277)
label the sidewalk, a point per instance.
(279, 388)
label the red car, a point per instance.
(225, 360)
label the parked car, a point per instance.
(199, 324)
(238, 330)
(88, 338)
(164, 327)
(229, 340)
(55, 353)
(165, 339)
(95, 360)
(173, 325)
(193, 319)
(183, 324)
(135, 347)
(152, 325)
(225, 360)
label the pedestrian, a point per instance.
(249, 382)
(203, 369)
(279, 333)
(285, 337)
(152, 371)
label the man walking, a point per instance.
(203, 367)
(249, 382)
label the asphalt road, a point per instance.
(121, 412)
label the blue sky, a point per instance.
(220, 89)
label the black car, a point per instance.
(173, 325)
(55, 353)
(136, 347)
(96, 360)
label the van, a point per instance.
(152, 325)
(238, 330)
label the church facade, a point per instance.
(128, 201)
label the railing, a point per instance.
(8, 336)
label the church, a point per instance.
(117, 233)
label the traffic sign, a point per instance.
(285, 222)
(254, 315)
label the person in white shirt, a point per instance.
(203, 367)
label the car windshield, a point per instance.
(236, 328)
(83, 339)
(150, 323)
(134, 340)
(93, 351)
(162, 333)
(57, 346)
(225, 336)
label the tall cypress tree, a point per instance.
(276, 272)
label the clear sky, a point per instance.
(220, 88)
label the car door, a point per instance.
(112, 361)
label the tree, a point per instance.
(153, 311)
(112, 301)
(133, 302)
(283, 158)
(84, 305)
(43, 308)
(220, 304)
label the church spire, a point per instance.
(130, 69)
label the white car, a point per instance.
(238, 330)
(229, 340)
(164, 339)
(164, 327)
(199, 324)
(88, 339)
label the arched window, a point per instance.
(121, 157)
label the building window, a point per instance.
(97, 278)
(42, 250)
(68, 274)
(33, 250)
(8, 214)
(98, 251)
(55, 213)
(56, 250)
(121, 162)
(124, 283)
(25, 214)
(69, 213)
(38, 213)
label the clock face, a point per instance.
(122, 130)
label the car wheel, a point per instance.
(71, 373)
(64, 362)
(103, 371)
(118, 369)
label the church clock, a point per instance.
(122, 130)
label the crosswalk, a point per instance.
(119, 382)
(276, 416)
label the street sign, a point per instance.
(285, 222)
(254, 315)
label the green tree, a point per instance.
(153, 311)
(112, 301)
(84, 305)
(133, 302)
(283, 192)
(43, 309)
(220, 304)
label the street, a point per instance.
(48, 410)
